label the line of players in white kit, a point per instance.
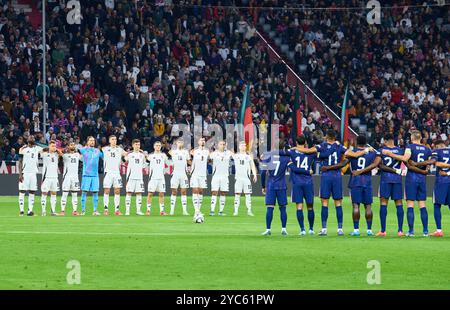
(137, 160)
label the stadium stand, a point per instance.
(136, 70)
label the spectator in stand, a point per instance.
(12, 156)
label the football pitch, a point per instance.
(223, 253)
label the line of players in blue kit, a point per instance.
(362, 160)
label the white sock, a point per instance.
(248, 202)
(64, 201)
(184, 203)
(149, 206)
(222, 203)
(74, 201)
(116, 201)
(237, 202)
(30, 202)
(195, 202)
(173, 201)
(127, 203)
(161, 207)
(53, 203)
(213, 203)
(21, 201)
(138, 203)
(106, 200)
(200, 200)
(44, 203)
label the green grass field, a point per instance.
(223, 253)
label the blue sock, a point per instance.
(95, 201)
(339, 216)
(311, 218)
(356, 224)
(400, 217)
(301, 219)
(283, 216)
(424, 218)
(269, 217)
(383, 215)
(410, 218)
(438, 215)
(324, 216)
(83, 201)
(369, 225)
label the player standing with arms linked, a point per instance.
(199, 172)
(90, 180)
(70, 183)
(220, 176)
(302, 184)
(275, 164)
(441, 193)
(360, 184)
(50, 183)
(180, 159)
(157, 183)
(417, 158)
(331, 157)
(28, 169)
(391, 185)
(244, 165)
(112, 159)
(135, 178)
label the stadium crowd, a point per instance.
(398, 71)
(135, 70)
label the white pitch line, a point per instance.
(118, 233)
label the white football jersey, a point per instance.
(30, 161)
(50, 165)
(180, 162)
(242, 164)
(71, 164)
(200, 163)
(136, 162)
(156, 165)
(112, 158)
(221, 163)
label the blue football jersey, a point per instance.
(275, 163)
(388, 177)
(91, 157)
(301, 167)
(442, 155)
(330, 155)
(419, 153)
(365, 179)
